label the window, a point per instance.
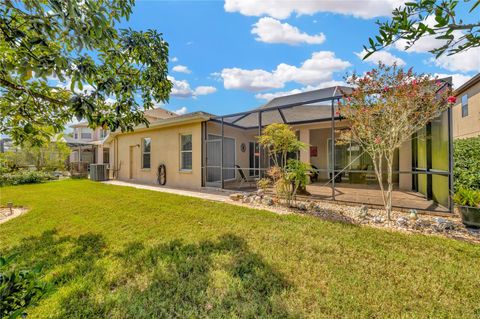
(85, 134)
(186, 152)
(146, 142)
(106, 155)
(103, 133)
(75, 133)
(464, 105)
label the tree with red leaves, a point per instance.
(386, 107)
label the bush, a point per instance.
(18, 290)
(24, 177)
(467, 163)
(467, 197)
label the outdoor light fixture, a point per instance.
(10, 206)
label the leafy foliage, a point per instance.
(20, 177)
(467, 197)
(410, 23)
(297, 175)
(466, 168)
(18, 289)
(279, 140)
(287, 174)
(386, 107)
(49, 156)
(105, 74)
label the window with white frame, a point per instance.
(464, 105)
(146, 144)
(86, 133)
(186, 152)
(103, 133)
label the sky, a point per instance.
(234, 55)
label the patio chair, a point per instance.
(242, 178)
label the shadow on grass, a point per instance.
(221, 278)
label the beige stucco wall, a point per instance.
(165, 149)
(468, 126)
(240, 136)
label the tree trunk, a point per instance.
(390, 185)
(377, 165)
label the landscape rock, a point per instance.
(363, 212)
(413, 214)
(236, 196)
(301, 206)
(317, 208)
(267, 200)
(377, 219)
(402, 221)
(442, 224)
(260, 192)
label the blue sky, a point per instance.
(231, 56)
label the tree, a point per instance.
(49, 156)
(279, 140)
(61, 59)
(386, 107)
(288, 175)
(411, 23)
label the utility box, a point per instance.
(99, 172)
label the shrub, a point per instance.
(264, 183)
(18, 289)
(24, 177)
(467, 197)
(467, 163)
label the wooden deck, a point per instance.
(371, 195)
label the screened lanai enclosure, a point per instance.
(232, 158)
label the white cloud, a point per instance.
(272, 95)
(458, 79)
(182, 89)
(181, 69)
(383, 56)
(174, 59)
(181, 111)
(271, 30)
(204, 90)
(281, 9)
(425, 43)
(314, 71)
(466, 61)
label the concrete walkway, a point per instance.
(208, 194)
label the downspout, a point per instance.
(116, 170)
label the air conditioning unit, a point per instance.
(99, 172)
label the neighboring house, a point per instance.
(87, 144)
(5, 144)
(466, 113)
(190, 146)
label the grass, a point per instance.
(120, 252)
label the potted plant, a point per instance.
(468, 203)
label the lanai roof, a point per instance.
(305, 107)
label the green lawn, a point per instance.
(120, 252)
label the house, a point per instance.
(203, 150)
(87, 143)
(466, 113)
